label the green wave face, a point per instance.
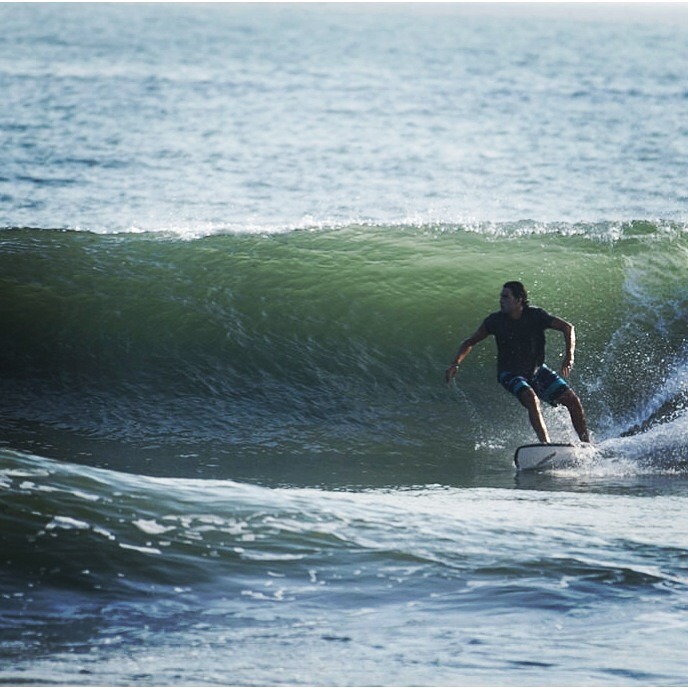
(330, 340)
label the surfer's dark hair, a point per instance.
(518, 290)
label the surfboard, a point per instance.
(533, 457)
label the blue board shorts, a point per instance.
(547, 384)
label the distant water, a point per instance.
(207, 118)
(239, 246)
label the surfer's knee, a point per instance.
(529, 399)
(569, 399)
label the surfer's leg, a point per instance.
(521, 389)
(552, 388)
(570, 399)
(529, 399)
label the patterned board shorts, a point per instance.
(545, 383)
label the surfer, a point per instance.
(519, 329)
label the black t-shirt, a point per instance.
(520, 343)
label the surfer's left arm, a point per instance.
(569, 333)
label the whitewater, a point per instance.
(239, 246)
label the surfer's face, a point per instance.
(508, 304)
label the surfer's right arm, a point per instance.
(465, 349)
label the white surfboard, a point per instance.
(533, 457)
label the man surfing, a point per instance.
(519, 330)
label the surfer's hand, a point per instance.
(566, 367)
(451, 371)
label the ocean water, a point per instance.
(239, 246)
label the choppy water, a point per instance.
(240, 246)
(240, 115)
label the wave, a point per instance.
(324, 342)
(109, 533)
